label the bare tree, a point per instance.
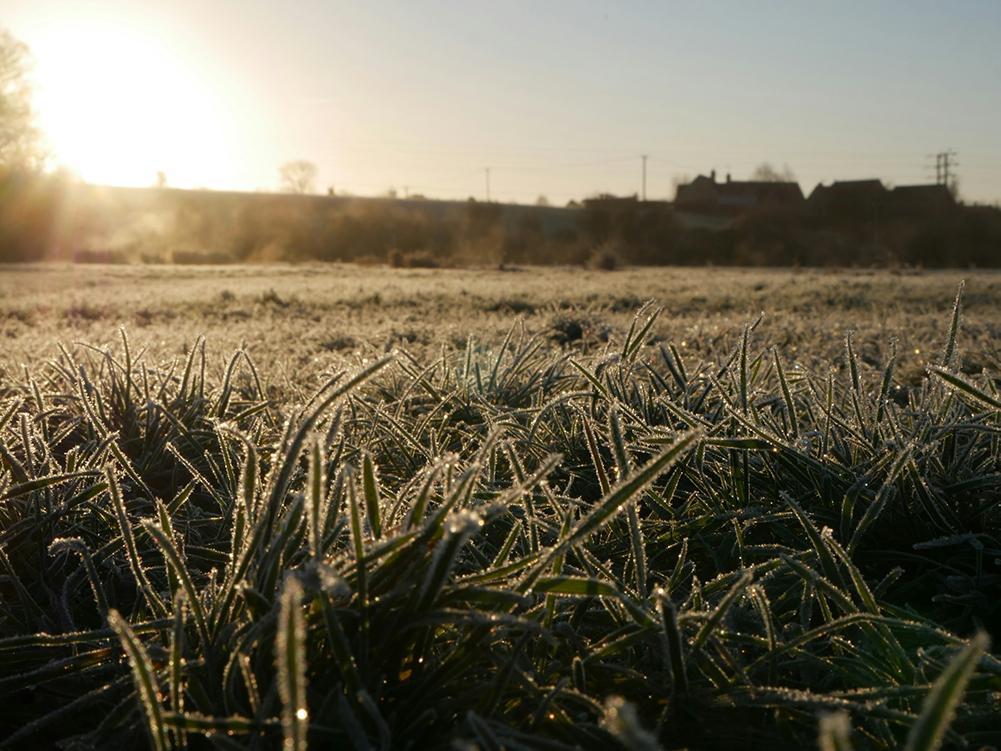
(679, 180)
(766, 173)
(298, 176)
(542, 201)
(20, 143)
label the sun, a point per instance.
(117, 107)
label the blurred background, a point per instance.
(447, 134)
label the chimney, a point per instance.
(712, 175)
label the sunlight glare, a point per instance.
(117, 107)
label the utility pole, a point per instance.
(644, 157)
(487, 170)
(945, 167)
(948, 171)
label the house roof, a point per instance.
(705, 189)
(848, 188)
(872, 182)
(761, 189)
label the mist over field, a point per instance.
(564, 376)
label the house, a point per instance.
(848, 199)
(734, 197)
(921, 199)
(871, 200)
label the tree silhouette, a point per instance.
(19, 139)
(298, 176)
(766, 173)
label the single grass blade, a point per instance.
(721, 609)
(145, 680)
(964, 388)
(131, 549)
(290, 660)
(939, 707)
(949, 353)
(673, 643)
(176, 564)
(373, 506)
(314, 499)
(835, 732)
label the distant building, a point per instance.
(733, 197)
(922, 198)
(870, 199)
(849, 199)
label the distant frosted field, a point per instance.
(295, 315)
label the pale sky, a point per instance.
(557, 98)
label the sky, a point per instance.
(556, 98)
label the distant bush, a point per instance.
(270, 297)
(100, 256)
(413, 260)
(606, 258)
(195, 257)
